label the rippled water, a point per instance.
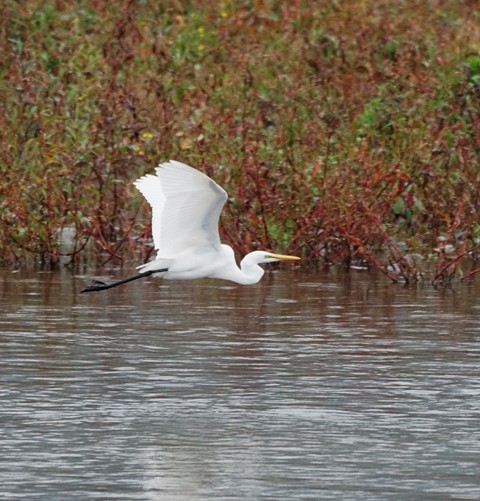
(305, 386)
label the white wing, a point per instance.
(186, 206)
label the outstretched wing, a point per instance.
(186, 206)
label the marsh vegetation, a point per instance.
(345, 132)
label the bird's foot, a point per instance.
(98, 286)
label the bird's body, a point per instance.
(205, 264)
(186, 207)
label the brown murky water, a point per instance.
(305, 386)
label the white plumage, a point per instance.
(186, 207)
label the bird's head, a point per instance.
(269, 257)
(253, 272)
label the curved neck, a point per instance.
(248, 273)
(250, 270)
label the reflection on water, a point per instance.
(305, 386)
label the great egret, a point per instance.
(186, 206)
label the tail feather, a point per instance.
(156, 264)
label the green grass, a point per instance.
(344, 131)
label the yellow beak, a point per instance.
(282, 257)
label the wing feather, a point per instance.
(186, 206)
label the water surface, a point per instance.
(305, 386)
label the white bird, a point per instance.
(186, 207)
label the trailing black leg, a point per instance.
(101, 286)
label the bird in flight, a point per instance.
(186, 206)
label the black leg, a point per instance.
(101, 286)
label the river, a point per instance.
(321, 386)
